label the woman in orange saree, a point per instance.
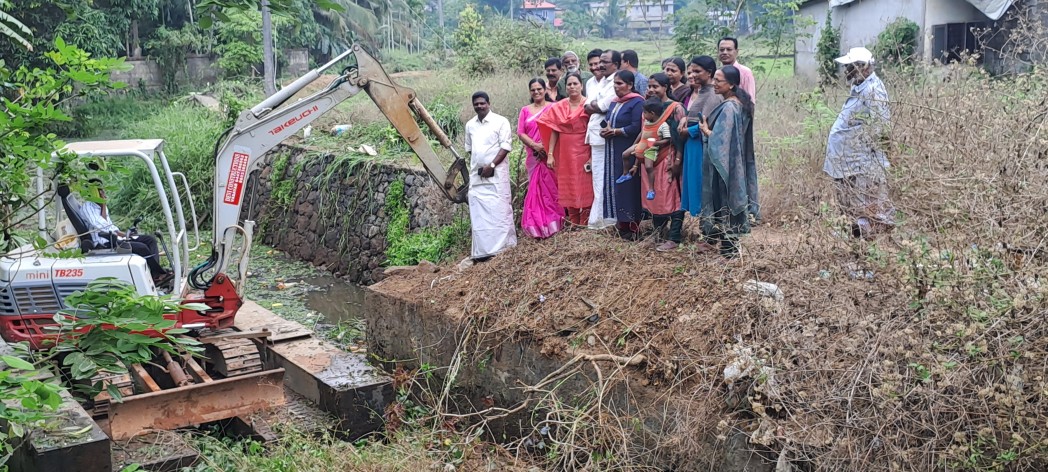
(563, 129)
(665, 207)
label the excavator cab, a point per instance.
(35, 282)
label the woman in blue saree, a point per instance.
(624, 124)
(699, 103)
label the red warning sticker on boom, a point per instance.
(235, 182)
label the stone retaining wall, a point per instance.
(337, 221)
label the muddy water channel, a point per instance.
(336, 300)
(298, 291)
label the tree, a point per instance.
(12, 28)
(702, 24)
(269, 82)
(827, 49)
(612, 18)
(32, 100)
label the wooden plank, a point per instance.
(143, 378)
(251, 316)
(262, 333)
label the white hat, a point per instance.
(854, 55)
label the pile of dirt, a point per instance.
(846, 365)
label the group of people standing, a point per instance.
(613, 146)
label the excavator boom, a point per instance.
(264, 126)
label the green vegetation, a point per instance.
(107, 116)
(32, 99)
(13, 29)
(897, 44)
(26, 401)
(97, 348)
(827, 49)
(506, 45)
(190, 132)
(283, 184)
(169, 47)
(769, 51)
(431, 244)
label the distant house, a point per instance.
(643, 16)
(948, 28)
(540, 12)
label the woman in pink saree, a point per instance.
(543, 216)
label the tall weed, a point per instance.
(190, 132)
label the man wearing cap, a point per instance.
(855, 152)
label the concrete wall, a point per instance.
(804, 64)
(145, 73)
(338, 223)
(200, 70)
(297, 62)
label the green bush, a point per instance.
(470, 29)
(897, 44)
(401, 61)
(827, 49)
(445, 112)
(240, 43)
(432, 244)
(509, 45)
(190, 133)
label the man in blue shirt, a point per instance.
(856, 156)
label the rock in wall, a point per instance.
(333, 214)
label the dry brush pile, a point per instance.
(922, 350)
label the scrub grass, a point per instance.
(189, 132)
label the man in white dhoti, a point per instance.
(601, 92)
(490, 202)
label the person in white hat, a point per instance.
(856, 156)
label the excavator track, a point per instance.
(123, 382)
(233, 357)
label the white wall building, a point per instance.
(946, 26)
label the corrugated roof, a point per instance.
(994, 9)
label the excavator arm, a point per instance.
(257, 131)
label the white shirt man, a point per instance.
(96, 215)
(601, 95)
(97, 222)
(488, 142)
